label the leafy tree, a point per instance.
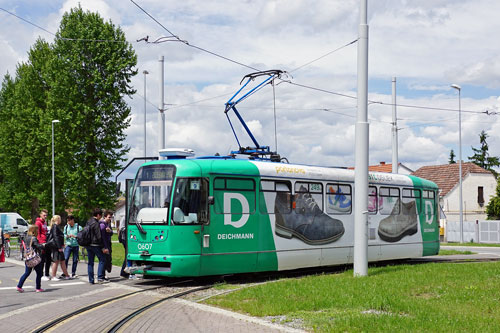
(481, 156)
(91, 78)
(81, 79)
(452, 157)
(25, 142)
(493, 207)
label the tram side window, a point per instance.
(389, 203)
(409, 199)
(306, 196)
(234, 195)
(429, 194)
(279, 196)
(372, 200)
(338, 199)
(189, 204)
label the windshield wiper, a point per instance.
(141, 229)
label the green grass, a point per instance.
(414, 298)
(117, 254)
(471, 244)
(451, 252)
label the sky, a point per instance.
(427, 45)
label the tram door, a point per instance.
(230, 239)
(129, 187)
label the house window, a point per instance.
(480, 196)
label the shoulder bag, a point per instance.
(32, 258)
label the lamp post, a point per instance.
(53, 178)
(145, 73)
(456, 86)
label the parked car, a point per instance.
(13, 223)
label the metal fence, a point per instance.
(477, 231)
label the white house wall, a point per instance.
(471, 209)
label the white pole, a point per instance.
(395, 161)
(361, 147)
(162, 104)
(460, 165)
(145, 73)
(456, 86)
(53, 173)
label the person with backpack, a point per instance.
(71, 230)
(96, 247)
(107, 233)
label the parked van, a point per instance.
(13, 223)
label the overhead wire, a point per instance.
(323, 56)
(191, 45)
(487, 112)
(62, 38)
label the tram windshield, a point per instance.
(151, 195)
(190, 205)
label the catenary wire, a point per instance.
(487, 112)
(239, 63)
(172, 35)
(62, 38)
(191, 45)
(323, 56)
(297, 84)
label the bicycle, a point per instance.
(7, 245)
(21, 247)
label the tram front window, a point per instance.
(189, 204)
(151, 195)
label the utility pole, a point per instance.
(361, 147)
(145, 72)
(55, 121)
(394, 129)
(161, 105)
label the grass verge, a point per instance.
(451, 252)
(414, 298)
(471, 244)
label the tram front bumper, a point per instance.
(161, 265)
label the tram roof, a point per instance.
(218, 165)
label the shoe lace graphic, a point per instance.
(308, 202)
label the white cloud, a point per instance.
(431, 43)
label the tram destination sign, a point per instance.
(157, 172)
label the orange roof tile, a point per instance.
(446, 176)
(382, 167)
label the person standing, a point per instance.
(42, 239)
(2, 242)
(107, 233)
(122, 238)
(58, 250)
(70, 231)
(96, 248)
(32, 241)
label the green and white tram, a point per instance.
(222, 215)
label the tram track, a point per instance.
(137, 310)
(132, 315)
(69, 316)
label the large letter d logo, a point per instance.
(245, 211)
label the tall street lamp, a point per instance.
(53, 180)
(145, 73)
(456, 86)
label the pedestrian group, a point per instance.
(54, 248)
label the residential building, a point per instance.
(478, 186)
